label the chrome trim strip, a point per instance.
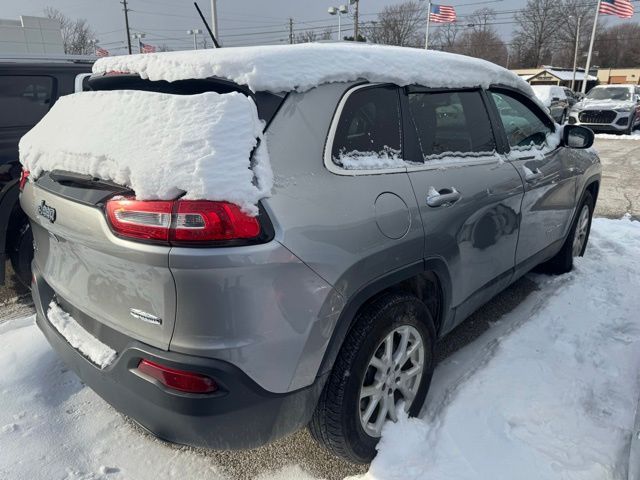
(328, 146)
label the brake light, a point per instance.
(24, 176)
(181, 221)
(181, 380)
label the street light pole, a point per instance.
(339, 11)
(194, 32)
(575, 55)
(139, 37)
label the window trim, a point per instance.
(491, 159)
(521, 97)
(328, 146)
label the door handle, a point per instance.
(531, 177)
(444, 197)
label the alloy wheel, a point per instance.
(580, 235)
(392, 376)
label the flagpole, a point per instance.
(593, 37)
(426, 36)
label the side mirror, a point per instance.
(575, 136)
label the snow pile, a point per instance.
(160, 145)
(548, 393)
(301, 67)
(96, 351)
(355, 160)
(612, 136)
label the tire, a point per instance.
(336, 423)
(629, 129)
(562, 262)
(21, 255)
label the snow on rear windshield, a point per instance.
(160, 145)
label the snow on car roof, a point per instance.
(301, 67)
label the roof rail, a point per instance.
(44, 57)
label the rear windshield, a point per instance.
(267, 103)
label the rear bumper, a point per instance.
(239, 415)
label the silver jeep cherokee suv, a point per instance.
(325, 308)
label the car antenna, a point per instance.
(213, 37)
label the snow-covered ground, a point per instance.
(549, 392)
(634, 136)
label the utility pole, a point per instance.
(290, 31)
(126, 23)
(593, 37)
(575, 55)
(214, 18)
(356, 12)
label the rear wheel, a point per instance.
(385, 364)
(576, 242)
(21, 254)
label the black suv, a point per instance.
(29, 86)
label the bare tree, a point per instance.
(401, 24)
(444, 36)
(480, 20)
(485, 44)
(618, 47)
(538, 24)
(306, 37)
(566, 36)
(77, 36)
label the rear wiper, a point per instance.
(84, 181)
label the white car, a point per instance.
(609, 108)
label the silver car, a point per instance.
(325, 308)
(609, 108)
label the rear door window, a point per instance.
(368, 134)
(24, 100)
(451, 124)
(524, 124)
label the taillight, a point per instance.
(203, 221)
(181, 221)
(145, 220)
(181, 380)
(24, 176)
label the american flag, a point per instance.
(444, 14)
(620, 8)
(101, 52)
(146, 48)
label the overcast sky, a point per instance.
(241, 22)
